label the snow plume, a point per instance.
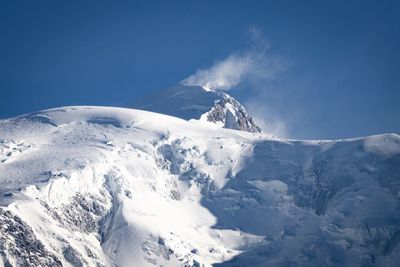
(267, 117)
(223, 75)
(251, 65)
(255, 70)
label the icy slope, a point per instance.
(96, 186)
(199, 103)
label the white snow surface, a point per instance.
(199, 103)
(103, 186)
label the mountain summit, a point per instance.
(200, 103)
(106, 186)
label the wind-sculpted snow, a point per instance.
(97, 186)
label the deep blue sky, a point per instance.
(342, 81)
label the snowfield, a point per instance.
(103, 186)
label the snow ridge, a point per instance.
(101, 186)
(199, 103)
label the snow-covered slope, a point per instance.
(199, 103)
(97, 186)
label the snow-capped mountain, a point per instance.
(101, 186)
(199, 103)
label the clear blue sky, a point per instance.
(343, 77)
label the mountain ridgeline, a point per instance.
(196, 102)
(189, 179)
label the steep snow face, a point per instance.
(199, 103)
(96, 186)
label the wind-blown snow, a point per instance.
(224, 74)
(98, 186)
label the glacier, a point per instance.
(106, 186)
